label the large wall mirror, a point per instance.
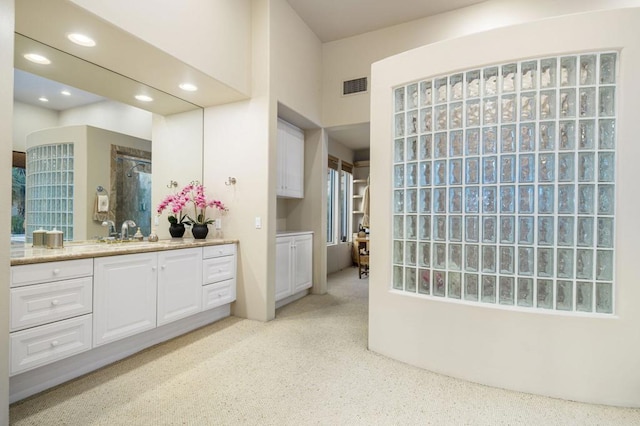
(94, 153)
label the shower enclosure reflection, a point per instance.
(133, 190)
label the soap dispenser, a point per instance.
(153, 237)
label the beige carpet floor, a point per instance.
(310, 366)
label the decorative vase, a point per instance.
(199, 231)
(176, 230)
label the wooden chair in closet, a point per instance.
(363, 256)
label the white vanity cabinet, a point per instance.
(71, 317)
(50, 318)
(125, 290)
(294, 267)
(218, 275)
(290, 161)
(179, 284)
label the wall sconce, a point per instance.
(230, 181)
(172, 184)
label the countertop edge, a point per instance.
(291, 233)
(43, 255)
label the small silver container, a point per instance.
(39, 238)
(54, 239)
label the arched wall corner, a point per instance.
(587, 358)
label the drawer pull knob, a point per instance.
(55, 343)
(163, 266)
(55, 302)
(56, 271)
(153, 268)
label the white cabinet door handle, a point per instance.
(56, 271)
(163, 267)
(54, 302)
(153, 268)
(54, 343)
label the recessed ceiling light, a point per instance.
(38, 59)
(82, 40)
(43, 99)
(144, 98)
(189, 87)
(66, 93)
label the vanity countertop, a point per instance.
(25, 254)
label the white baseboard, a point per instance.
(42, 378)
(291, 298)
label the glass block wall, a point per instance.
(49, 189)
(504, 184)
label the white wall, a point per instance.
(342, 152)
(352, 57)
(239, 141)
(110, 115)
(584, 358)
(213, 36)
(6, 110)
(338, 257)
(176, 154)
(296, 62)
(28, 118)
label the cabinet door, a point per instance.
(282, 159)
(283, 268)
(124, 296)
(290, 161)
(295, 163)
(302, 262)
(179, 284)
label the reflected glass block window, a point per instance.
(49, 189)
(504, 184)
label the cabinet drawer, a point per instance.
(51, 271)
(214, 295)
(43, 303)
(41, 345)
(218, 251)
(218, 269)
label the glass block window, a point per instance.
(504, 184)
(49, 189)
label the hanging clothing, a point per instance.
(365, 206)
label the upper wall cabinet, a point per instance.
(290, 161)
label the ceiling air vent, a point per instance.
(357, 85)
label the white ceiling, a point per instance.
(28, 88)
(335, 19)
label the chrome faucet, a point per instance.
(124, 231)
(112, 228)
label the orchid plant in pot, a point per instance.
(201, 203)
(176, 203)
(179, 203)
